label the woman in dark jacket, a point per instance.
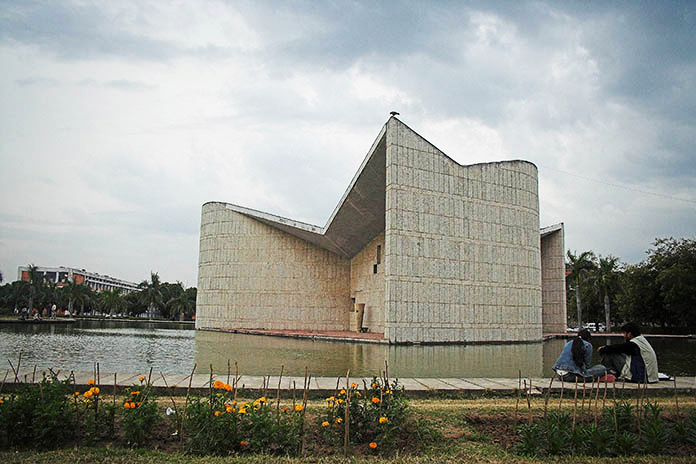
(574, 361)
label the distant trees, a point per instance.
(659, 291)
(168, 300)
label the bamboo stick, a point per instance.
(546, 400)
(346, 435)
(676, 398)
(278, 399)
(575, 402)
(560, 399)
(33, 375)
(529, 404)
(519, 392)
(183, 415)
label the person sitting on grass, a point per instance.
(632, 360)
(575, 359)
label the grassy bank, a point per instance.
(443, 430)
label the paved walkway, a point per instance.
(178, 383)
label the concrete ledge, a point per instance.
(319, 387)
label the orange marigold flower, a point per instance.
(77, 393)
(138, 403)
(228, 387)
(134, 393)
(383, 419)
(90, 382)
(325, 424)
(95, 390)
(375, 400)
(141, 378)
(299, 408)
(262, 399)
(242, 410)
(2, 401)
(217, 413)
(353, 385)
(373, 445)
(87, 394)
(218, 384)
(342, 392)
(339, 420)
(242, 443)
(127, 405)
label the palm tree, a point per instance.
(605, 278)
(35, 284)
(180, 303)
(112, 301)
(151, 294)
(71, 291)
(579, 266)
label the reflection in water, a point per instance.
(134, 347)
(333, 358)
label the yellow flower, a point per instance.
(94, 390)
(342, 392)
(141, 378)
(217, 413)
(87, 394)
(325, 424)
(374, 385)
(229, 408)
(134, 393)
(352, 385)
(388, 392)
(375, 400)
(339, 420)
(299, 408)
(373, 445)
(383, 419)
(242, 410)
(90, 382)
(262, 399)
(340, 401)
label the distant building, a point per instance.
(60, 275)
(420, 249)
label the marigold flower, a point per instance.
(141, 378)
(342, 392)
(339, 420)
(2, 401)
(388, 392)
(87, 394)
(325, 424)
(375, 400)
(229, 408)
(242, 443)
(134, 393)
(383, 419)
(262, 399)
(228, 387)
(218, 384)
(353, 385)
(299, 408)
(340, 401)
(217, 413)
(90, 382)
(138, 403)
(374, 385)
(77, 393)
(127, 405)
(95, 390)
(242, 410)
(373, 445)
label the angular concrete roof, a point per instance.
(357, 219)
(359, 216)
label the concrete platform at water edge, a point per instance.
(318, 387)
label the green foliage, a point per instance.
(531, 435)
(38, 415)
(655, 434)
(141, 413)
(626, 443)
(220, 425)
(377, 415)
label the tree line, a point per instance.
(153, 298)
(660, 291)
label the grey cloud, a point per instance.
(37, 80)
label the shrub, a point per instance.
(140, 412)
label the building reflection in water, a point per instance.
(263, 355)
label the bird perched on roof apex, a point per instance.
(394, 113)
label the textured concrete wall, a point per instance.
(462, 259)
(553, 288)
(252, 275)
(367, 287)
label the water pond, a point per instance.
(174, 348)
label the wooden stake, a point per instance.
(676, 398)
(183, 415)
(346, 435)
(575, 402)
(546, 400)
(278, 400)
(560, 400)
(529, 404)
(584, 388)
(33, 375)
(519, 392)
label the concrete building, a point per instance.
(60, 275)
(419, 248)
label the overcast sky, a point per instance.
(118, 120)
